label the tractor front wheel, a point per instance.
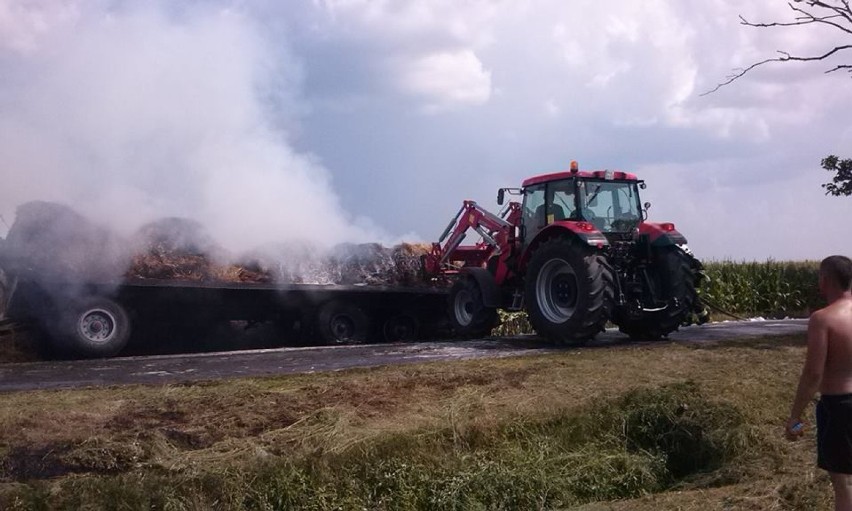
(468, 314)
(568, 291)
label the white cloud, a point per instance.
(523, 87)
(447, 79)
(24, 22)
(619, 85)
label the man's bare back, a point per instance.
(828, 368)
(836, 319)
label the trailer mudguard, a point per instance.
(661, 234)
(486, 282)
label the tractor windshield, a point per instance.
(612, 206)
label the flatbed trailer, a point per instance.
(91, 319)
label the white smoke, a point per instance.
(134, 113)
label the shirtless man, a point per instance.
(828, 368)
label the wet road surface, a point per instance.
(164, 369)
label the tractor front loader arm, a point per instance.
(497, 234)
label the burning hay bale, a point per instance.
(345, 264)
(180, 249)
(407, 262)
(249, 272)
(53, 241)
(295, 263)
(4, 293)
(172, 249)
(368, 263)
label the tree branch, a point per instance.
(785, 57)
(844, 11)
(839, 67)
(824, 12)
(823, 19)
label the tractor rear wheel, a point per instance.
(673, 278)
(569, 291)
(469, 316)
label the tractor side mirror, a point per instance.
(645, 209)
(647, 205)
(501, 196)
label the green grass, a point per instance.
(640, 443)
(664, 426)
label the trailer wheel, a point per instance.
(342, 323)
(93, 327)
(569, 291)
(401, 328)
(674, 279)
(468, 314)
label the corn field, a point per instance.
(770, 289)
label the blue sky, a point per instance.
(337, 120)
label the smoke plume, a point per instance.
(129, 114)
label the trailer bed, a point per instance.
(326, 313)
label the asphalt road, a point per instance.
(233, 364)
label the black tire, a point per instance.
(92, 327)
(674, 277)
(469, 317)
(342, 323)
(569, 291)
(403, 327)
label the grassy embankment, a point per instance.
(663, 426)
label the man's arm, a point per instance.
(813, 370)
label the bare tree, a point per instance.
(836, 14)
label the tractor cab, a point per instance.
(608, 200)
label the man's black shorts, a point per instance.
(834, 433)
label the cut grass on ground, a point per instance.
(665, 426)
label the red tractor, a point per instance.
(576, 253)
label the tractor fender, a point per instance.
(661, 234)
(584, 232)
(487, 284)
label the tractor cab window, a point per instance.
(611, 206)
(560, 201)
(534, 207)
